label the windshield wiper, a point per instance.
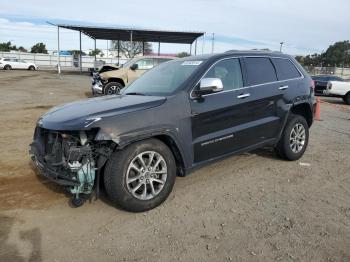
(135, 94)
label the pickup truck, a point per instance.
(339, 89)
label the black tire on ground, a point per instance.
(7, 67)
(31, 68)
(284, 148)
(115, 176)
(112, 88)
(346, 98)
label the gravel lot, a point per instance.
(251, 207)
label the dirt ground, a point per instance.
(251, 207)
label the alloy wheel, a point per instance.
(297, 138)
(146, 175)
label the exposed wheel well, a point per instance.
(303, 110)
(176, 152)
(118, 80)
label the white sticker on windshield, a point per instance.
(195, 63)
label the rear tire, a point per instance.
(294, 139)
(346, 98)
(7, 67)
(113, 88)
(128, 178)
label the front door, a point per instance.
(217, 117)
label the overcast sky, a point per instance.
(304, 26)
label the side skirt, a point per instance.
(199, 165)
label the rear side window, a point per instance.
(7, 59)
(285, 69)
(259, 70)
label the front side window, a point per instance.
(229, 71)
(145, 64)
(285, 69)
(259, 70)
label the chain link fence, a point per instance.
(67, 62)
(338, 71)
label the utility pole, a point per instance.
(212, 43)
(281, 46)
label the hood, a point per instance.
(120, 73)
(83, 114)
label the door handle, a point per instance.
(283, 87)
(243, 96)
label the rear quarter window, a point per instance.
(259, 70)
(285, 69)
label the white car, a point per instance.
(339, 89)
(14, 63)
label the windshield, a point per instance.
(163, 79)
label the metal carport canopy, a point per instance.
(139, 35)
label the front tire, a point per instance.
(31, 68)
(346, 98)
(141, 176)
(7, 67)
(294, 139)
(113, 88)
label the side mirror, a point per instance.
(210, 85)
(134, 67)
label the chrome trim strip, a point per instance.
(244, 87)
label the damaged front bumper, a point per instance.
(60, 158)
(96, 84)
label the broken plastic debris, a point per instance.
(304, 164)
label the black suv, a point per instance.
(175, 118)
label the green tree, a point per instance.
(95, 52)
(7, 46)
(39, 48)
(137, 48)
(182, 54)
(337, 54)
(22, 49)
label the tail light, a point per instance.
(313, 86)
(329, 85)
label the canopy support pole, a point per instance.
(118, 50)
(131, 46)
(58, 51)
(158, 48)
(190, 49)
(107, 49)
(95, 51)
(195, 48)
(80, 56)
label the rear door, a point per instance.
(266, 110)
(15, 64)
